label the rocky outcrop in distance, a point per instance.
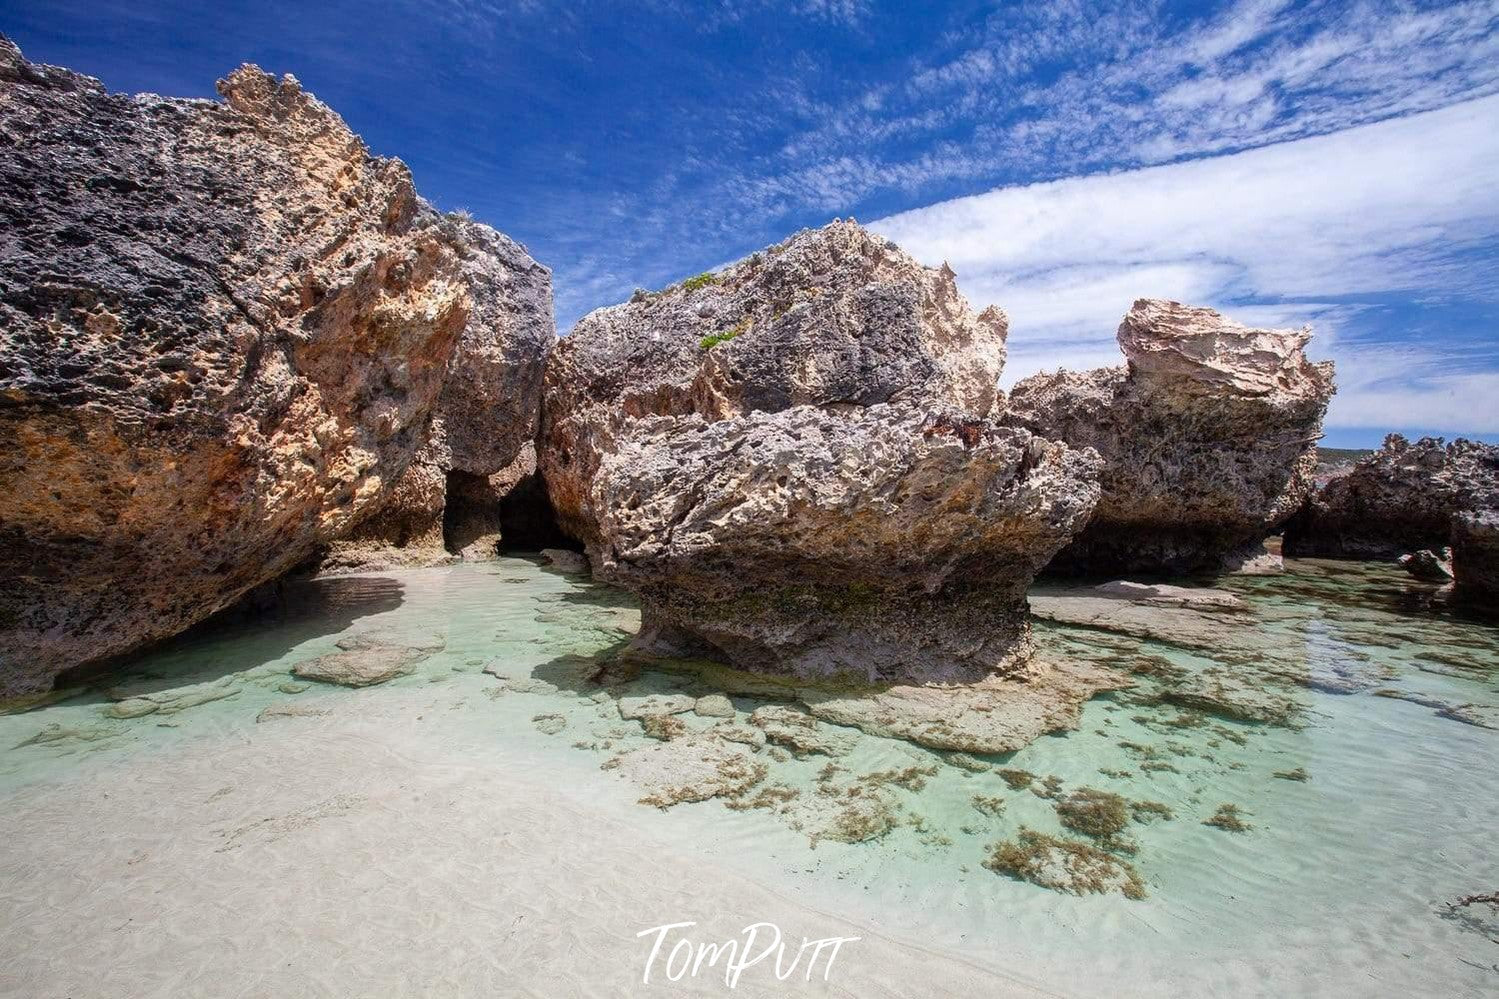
(1475, 558)
(1410, 500)
(1208, 438)
(225, 329)
(792, 463)
(1400, 499)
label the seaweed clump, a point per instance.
(991, 805)
(1064, 865)
(1229, 817)
(1018, 780)
(1095, 813)
(1149, 811)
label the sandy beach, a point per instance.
(365, 853)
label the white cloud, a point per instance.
(1391, 208)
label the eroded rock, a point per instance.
(1475, 558)
(695, 768)
(876, 545)
(1399, 499)
(791, 463)
(997, 715)
(225, 328)
(480, 440)
(832, 317)
(364, 666)
(1428, 566)
(1208, 436)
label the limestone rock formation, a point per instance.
(1475, 558)
(1208, 436)
(1399, 499)
(834, 317)
(882, 544)
(224, 329)
(790, 463)
(480, 444)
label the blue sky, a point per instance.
(1287, 162)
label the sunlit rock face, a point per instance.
(224, 330)
(833, 317)
(883, 544)
(792, 463)
(1208, 436)
(447, 504)
(1400, 499)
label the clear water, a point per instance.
(1339, 885)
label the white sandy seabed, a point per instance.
(422, 838)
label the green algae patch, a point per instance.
(1064, 865)
(699, 281)
(724, 336)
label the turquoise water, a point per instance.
(1386, 707)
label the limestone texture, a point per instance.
(1401, 498)
(225, 328)
(877, 545)
(1475, 558)
(792, 463)
(1208, 436)
(833, 317)
(480, 439)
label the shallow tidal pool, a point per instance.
(1304, 786)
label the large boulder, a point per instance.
(1208, 436)
(224, 330)
(791, 463)
(835, 317)
(1401, 498)
(883, 544)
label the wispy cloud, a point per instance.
(1344, 230)
(1027, 92)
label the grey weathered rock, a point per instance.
(713, 706)
(1208, 436)
(995, 715)
(1164, 595)
(1399, 499)
(885, 544)
(225, 329)
(225, 332)
(694, 768)
(790, 462)
(834, 317)
(1428, 566)
(633, 708)
(564, 560)
(364, 666)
